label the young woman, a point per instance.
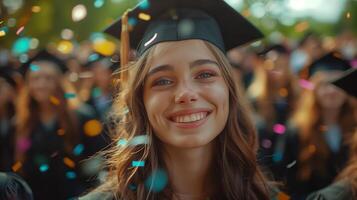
(315, 150)
(47, 131)
(184, 131)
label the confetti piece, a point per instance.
(44, 168)
(20, 30)
(144, 5)
(122, 142)
(132, 21)
(93, 57)
(137, 140)
(34, 67)
(157, 181)
(2, 33)
(70, 163)
(21, 45)
(138, 163)
(348, 15)
(92, 128)
(69, 95)
(144, 16)
(266, 143)
(79, 12)
(16, 166)
(279, 129)
(278, 156)
(54, 100)
(98, 3)
(78, 149)
(306, 84)
(283, 196)
(54, 154)
(104, 47)
(60, 132)
(36, 9)
(23, 144)
(71, 175)
(283, 92)
(290, 165)
(65, 47)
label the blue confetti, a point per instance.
(93, 57)
(69, 95)
(144, 5)
(98, 3)
(34, 68)
(138, 163)
(122, 142)
(157, 181)
(71, 175)
(132, 21)
(141, 139)
(78, 149)
(44, 167)
(96, 92)
(21, 45)
(278, 156)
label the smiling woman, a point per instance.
(180, 96)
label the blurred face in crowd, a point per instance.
(102, 75)
(185, 94)
(328, 95)
(43, 82)
(7, 93)
(278, 70)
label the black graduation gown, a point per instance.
(7, 144)
(337, 191)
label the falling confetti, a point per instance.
(283, 196)
(54, 100)
(44, 168)
(18, 32)
(157, 181)
(290, 165)
(23, 144)
(92, 128)
(79, 12)
(283, 92)
(65, 46)
(71, 175)
(348, 15)
(2, 33)
(104, 47)
(279, 129)
(21, 45)
(78, 149)
(144, 5)
(278, 156)
(93, 57)
(16, 166)
(137, 140)
(34, 67)
(122, 142)
(138, 163)
(144, 16)
(70, 163)
(69, 95)
(306, 84)
(60, 132)
(132, 21)
(266, 143)
(98, 3)
(36, 9)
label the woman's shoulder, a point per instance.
(97, 195)
(337, 191)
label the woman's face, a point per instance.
(42, 82)
(328, 95)
(185, 95)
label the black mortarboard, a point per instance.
(348, 82)
(43, 55)
(155, 21)
(278, 48)
(7, 73)
(111, 62)
(13, 186)
(329, 62)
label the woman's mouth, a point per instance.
(192, 120)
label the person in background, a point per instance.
(13, 187)
(345, 185)
(315, 152)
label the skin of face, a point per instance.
(192, 80)
(42, 83)
(328, 95)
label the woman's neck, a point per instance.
(190, 171)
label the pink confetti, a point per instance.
(23, 144)
(279, 129)
(306, 84)
(20, 30)
(354, 63)
(266, 143)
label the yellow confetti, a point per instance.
(60, 132)
(348, 15)
(36, 9)
(16, 166)
(92, 128)
(2, 33)
(104, 47)
(70, 163)
(144, 16)
(54, 100)
(65, 47)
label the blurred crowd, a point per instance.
(54, 121)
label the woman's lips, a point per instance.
(193, 124)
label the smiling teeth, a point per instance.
(190, 118)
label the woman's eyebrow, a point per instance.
(203, 62)
(160, 68)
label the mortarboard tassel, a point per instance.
(124, 47)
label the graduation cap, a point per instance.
(13, 186)
(348, 82)
(155, 21)
(43, 55)
(329, 62)
(111, 62)
(7, 72)
(277, 48)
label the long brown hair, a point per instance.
(314, 152)
(238, 174)
(28, 118)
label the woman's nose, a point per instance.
(185, 95)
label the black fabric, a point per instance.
(337, 191)
(174, 20)
(348, 82)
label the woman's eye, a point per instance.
(162, 82)
(205, 75)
